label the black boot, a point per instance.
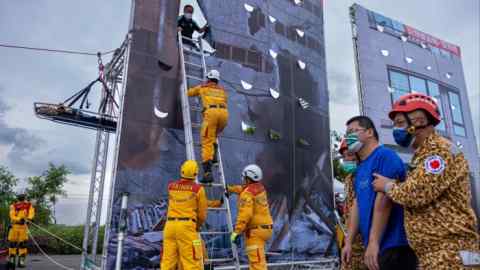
(11, 263)
(215, 154)
(22, 261)
(207, 172)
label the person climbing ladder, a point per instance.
(215, 118)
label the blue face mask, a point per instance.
(348, 166)
(402, 137)
(353, 143)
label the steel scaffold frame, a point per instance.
(113, 75)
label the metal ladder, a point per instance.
(189, 140)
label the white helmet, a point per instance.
(253, 172)
(213, 74)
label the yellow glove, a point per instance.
(235, 238)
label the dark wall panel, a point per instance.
(297, 171)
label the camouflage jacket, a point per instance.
(357, 246)
(437, 199)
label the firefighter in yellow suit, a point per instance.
(215, 118)
(210, 204)
(20, 212)
(253, 218)
(187, 211)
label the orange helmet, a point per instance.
(416, 101)
(343, 146)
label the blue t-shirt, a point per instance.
(385, 162)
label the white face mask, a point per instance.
(188, 16)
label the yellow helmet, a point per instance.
(189, 169)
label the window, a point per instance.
(435, 50)
(445, 54)
(418, 85)
(399, 83)
(456, 110)
(459, 130)
(434, 91)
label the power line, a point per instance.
(53, 50)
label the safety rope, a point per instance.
(55, 236)
(54, 50)
(46, 255)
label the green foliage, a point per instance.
(7, 195)
(72, 234)
(45, 190)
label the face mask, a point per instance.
(348, 166)
(188, 16)
(353, 143)
(402, 137)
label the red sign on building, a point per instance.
(420, 36)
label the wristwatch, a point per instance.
(388, 187)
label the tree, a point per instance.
(7, 195)
(46, 189)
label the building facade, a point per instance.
(394, 59)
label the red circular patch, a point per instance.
(435, 164)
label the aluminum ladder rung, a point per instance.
(194, 52)
(219, 260)
(214, 233)
(196, 125)
(212, 184)
(217, 209)
(190, 144)
(196, 108)
(194, 65)
(194, 78)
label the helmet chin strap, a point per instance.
(412, 128)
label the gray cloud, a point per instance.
(29, 153)
(341, 85)
(37, 76)
(20, 141)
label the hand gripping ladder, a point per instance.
(187, 70)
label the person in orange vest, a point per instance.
(215, 118)
(253, 217)
(20, 212)
(187, 211)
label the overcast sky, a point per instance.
(27, 143)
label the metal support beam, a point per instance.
(119, 75)
(112, 75)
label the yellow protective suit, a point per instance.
(215, 115)
(255, 220)
(17, 236)
(187, 211)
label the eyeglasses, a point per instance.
(357, 130)
(419, 119)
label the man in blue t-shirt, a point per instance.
(374, 216)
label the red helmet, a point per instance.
(416, 101)
(343, 146)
